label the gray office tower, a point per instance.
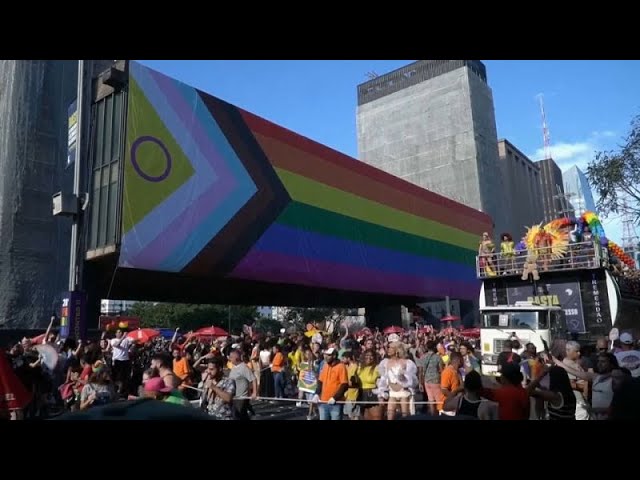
(432, 123)
(35, 96)
(554, 202)
(522, 187)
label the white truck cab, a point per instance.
(528, 322)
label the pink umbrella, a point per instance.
(449, 318)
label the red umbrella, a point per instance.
(143, 335)
(449, 318)
(470, 332)
(13, 394)
(393, 329)
(211, 332)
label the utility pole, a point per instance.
(77, 172)
(73, 320)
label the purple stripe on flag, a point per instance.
(156, 252)
(280, 268)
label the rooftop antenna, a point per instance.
(545, 129)
(371, 75)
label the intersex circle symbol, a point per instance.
(136, 166)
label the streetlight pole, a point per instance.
(77, 173)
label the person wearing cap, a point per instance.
(628, 357)
(333, 383)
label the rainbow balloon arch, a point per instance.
(591, 220)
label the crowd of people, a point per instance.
(366, 375)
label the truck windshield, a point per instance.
(524, 319)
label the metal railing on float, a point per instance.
(578, 256)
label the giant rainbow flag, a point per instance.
(212, 190)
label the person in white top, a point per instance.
(572, 350)
(120, 347)
(602, 383)
(628, 357)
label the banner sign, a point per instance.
(73, 318)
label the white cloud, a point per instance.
(568, 154)
(578, 153)
(604, 134)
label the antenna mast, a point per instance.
(545, 129)
(629, 236)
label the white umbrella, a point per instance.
(48, 355)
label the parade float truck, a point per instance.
(564, 280)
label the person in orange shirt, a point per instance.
(182, 368)
(333, 383)
(450, 381)
(277, 368)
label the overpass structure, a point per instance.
(196, 200)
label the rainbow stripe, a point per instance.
(283, 209)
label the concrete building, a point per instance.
(432, 123)
(115, 307)
(34, 246)
(521, 179)
(554, 202)
(578, 191)
(35, 96)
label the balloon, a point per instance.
(604, 241)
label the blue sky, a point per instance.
(589, 104)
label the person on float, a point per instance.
(508, 254)
(486, 251)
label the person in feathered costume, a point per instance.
(547, 243)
